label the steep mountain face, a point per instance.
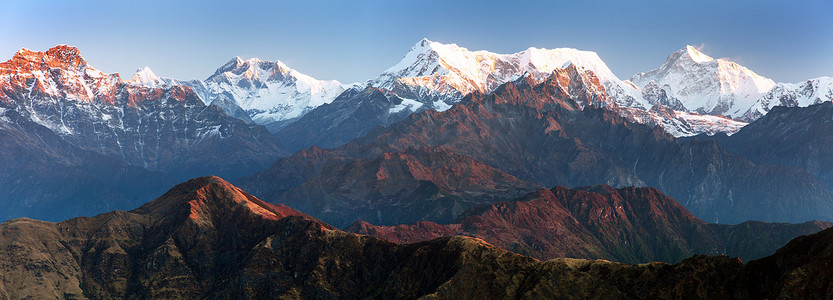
(432, 71)
(387, 188)
(631, 225)
(47, 178)
(270, 92)
(353, 114)
(208, 239)
(538, 133)
(801, 137)
(256, 91)
(705, 85)
(813, 91)
(435, 76)
(162, 129)
(531, 132)
(145, 77)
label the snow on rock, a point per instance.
(706, 85)
(409, 104)
(802, 94)
(146, 77)
(441, 74)
(710, 124)
(271, 91)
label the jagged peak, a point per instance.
(61, 56)
(695, 55)
(430, 58)
(239, 66)
(146, 77)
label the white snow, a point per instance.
(802, 94)
(452, 71)
(707, 85)
(146, 77)
(709, 124)
(441, 106)
(271, 91)
(409, 104)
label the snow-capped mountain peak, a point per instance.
(60, 72)
(271, 92)
(146, 77)
(695, 55)
(433, 71)
(809, 92)
(706, 85)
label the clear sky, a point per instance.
(352, 41)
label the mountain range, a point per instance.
(164, 125)
(208, 239)
(54, 103)
(453, 174)
(689, 94)
(800, 137)
(560, 131)
(631, 225)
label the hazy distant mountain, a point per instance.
(800, 137)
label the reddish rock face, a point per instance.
(168, 130)
(208, 239)
(560, 131)
(633, 225)
(389, 187)
(59, 72)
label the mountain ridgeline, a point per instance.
(563, 130)
(66, 117)
(800, 137)
(630, 225)
(208, 239)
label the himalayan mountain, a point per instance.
(262, 92)
(691, 93)
(206, 238)
(527, 134)
(454, 174)
(800, 137)
(631, 225)
(84, 140)
(181, 129)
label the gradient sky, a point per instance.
(352, 41)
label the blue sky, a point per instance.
(353, 41)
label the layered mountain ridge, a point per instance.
(208, 239)
(544, 133)
(800, 137)
(164, 129)
(631, 225)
